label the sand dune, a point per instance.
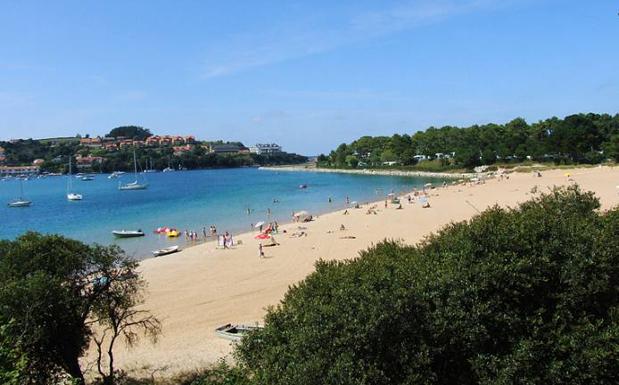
(203, 287)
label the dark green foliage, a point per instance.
(514, 296)
(49, 287)
(130, 132)
(13, 364)
(56, 157)
(580, 138)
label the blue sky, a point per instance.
(309, 74)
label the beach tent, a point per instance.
(303, 216)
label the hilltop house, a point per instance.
(228, 149)
(167, 140)
(91, 142)
(265, 148)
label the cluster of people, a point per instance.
(191, 235)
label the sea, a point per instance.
(231, 199)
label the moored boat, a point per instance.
(115, 174)
(128, 233)
(135, 185)
(21, 201)
(72, 196)
(235, 332)
(166, 251)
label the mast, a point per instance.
(135, 166)
(70, 184)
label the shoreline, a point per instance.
(365, 171)
(203, 287)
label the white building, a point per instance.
(265, 148)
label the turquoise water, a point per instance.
(185, 200)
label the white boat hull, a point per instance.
(74, 197)
(20, 203)
(133, 186)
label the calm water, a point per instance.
(185, 200)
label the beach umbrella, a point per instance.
(259, 224)
(427, 185)
(262, 236)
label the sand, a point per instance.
(202, 287)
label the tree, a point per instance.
(132, 132)
(50, 287)
(611, 148)
(117, 314)
(352, 161)
(526, 295)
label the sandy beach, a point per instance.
(203, 287)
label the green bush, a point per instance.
(515, 296)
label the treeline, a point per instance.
(581, 138)
(197, 158)
(56, 157)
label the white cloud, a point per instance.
(246, 51)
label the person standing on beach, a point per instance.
(260, 251)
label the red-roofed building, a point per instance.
(87, 161)
(179, 150)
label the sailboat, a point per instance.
(150, 169)
(168, 169)
(21, 201)
(133, 185)
(71, 195)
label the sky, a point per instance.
(308, 75)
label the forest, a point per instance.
(576, 139)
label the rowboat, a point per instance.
(128, 233)
(235, 332)
(166, 251)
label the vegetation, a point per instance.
(52, 291)
(581, 138)
(514, 296)
(56, 156)
(130, 132)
